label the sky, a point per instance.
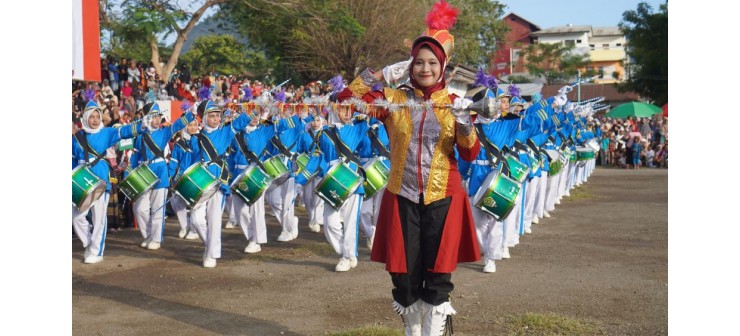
(553, 13)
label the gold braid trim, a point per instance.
(400, 128)
(440, 169)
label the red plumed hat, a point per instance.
(439, 20)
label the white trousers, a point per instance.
(340, 226)
(313, 203)
(181, 211)
(206, 221)
(565, 176)
(252, 219)
(529, 201)
(511, 223)
(93, 242)
(231, 208)
(280, 198)
(149, 212)
(490, 233)
(553, 185)
(539, 203)
(369, 213)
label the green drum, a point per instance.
(518, 170)
(276, 168)
(86, 188)
(571, 156)
(302, 161)
(497, 195)
(555, 167)
(138, 181)
(338, 185)
(196, 185)
(251, 184)
(584, 154)
(376, 176)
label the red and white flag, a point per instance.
(85, 40)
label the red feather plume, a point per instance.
(442, 16)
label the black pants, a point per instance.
(422, 227)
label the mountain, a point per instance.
(212, 26)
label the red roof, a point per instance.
(608, 91)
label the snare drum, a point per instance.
(139, 180)
(555, 167)
(584, 154)
(497, 195)
(276, 168)
(305, 169)
(593, 144)
(553, 154)
(251, 184)
(86, 188)
(518, 170)
(338, 185)
(376, 176)
(196, 185)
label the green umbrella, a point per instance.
(634, 109)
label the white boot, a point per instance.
(411, 317)
(437, 320)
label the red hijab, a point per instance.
(441, 58)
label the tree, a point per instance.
(555, 62)
(225, 55)
(647, 37)
(478, 30)
(144, 21)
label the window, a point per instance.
(592, 46)
(569, 43)
(619, 44)
(605, 45)
(578, 41)
(589, 68)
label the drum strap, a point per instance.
(281, 148)
(316, 138)
(147, 140)
(532, 145)
(82, 139)
(184, 145)
(375, 141)
(492, 151)
(247, 153)
(342, 148)
(207, 146)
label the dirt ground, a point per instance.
(601, 257)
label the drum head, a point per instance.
(93, 196)
(483, 189)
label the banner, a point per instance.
(85, 40)
(170, 109)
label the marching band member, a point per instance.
(92, 142)
(338, 143)
(425, 226)
(180, 160)
(308, 144)
(210, 146)
(251, 218)
(375, 145)
(151, 151)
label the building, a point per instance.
(604, 45)
(507, 59)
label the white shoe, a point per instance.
(93, 259)
(182, 233)
(506, 254)
(192, 235)
(285, 236)
(209, 263)
(567, 194)
(229, 225)
(343, 265)
(352, 262)
(314, 227)
(527, 230)
(252, 247)
(546, 214)
(295, 228)
(535, 220)
(490, 266)
(153, 245)
(558, 201)
(146, 242)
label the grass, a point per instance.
(581, 192)
(369, 331)
(550, 324)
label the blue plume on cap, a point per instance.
(481, 79)
(377, 87)
(248, 93)
(280, 96)
(337, 84)
(186, 105)
(514, 90)
(536, 97)
(204, 93)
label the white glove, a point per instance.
(459, 110)
(394, 73)
(561, 99)
(565, 89)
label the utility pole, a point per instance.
(579, 86)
